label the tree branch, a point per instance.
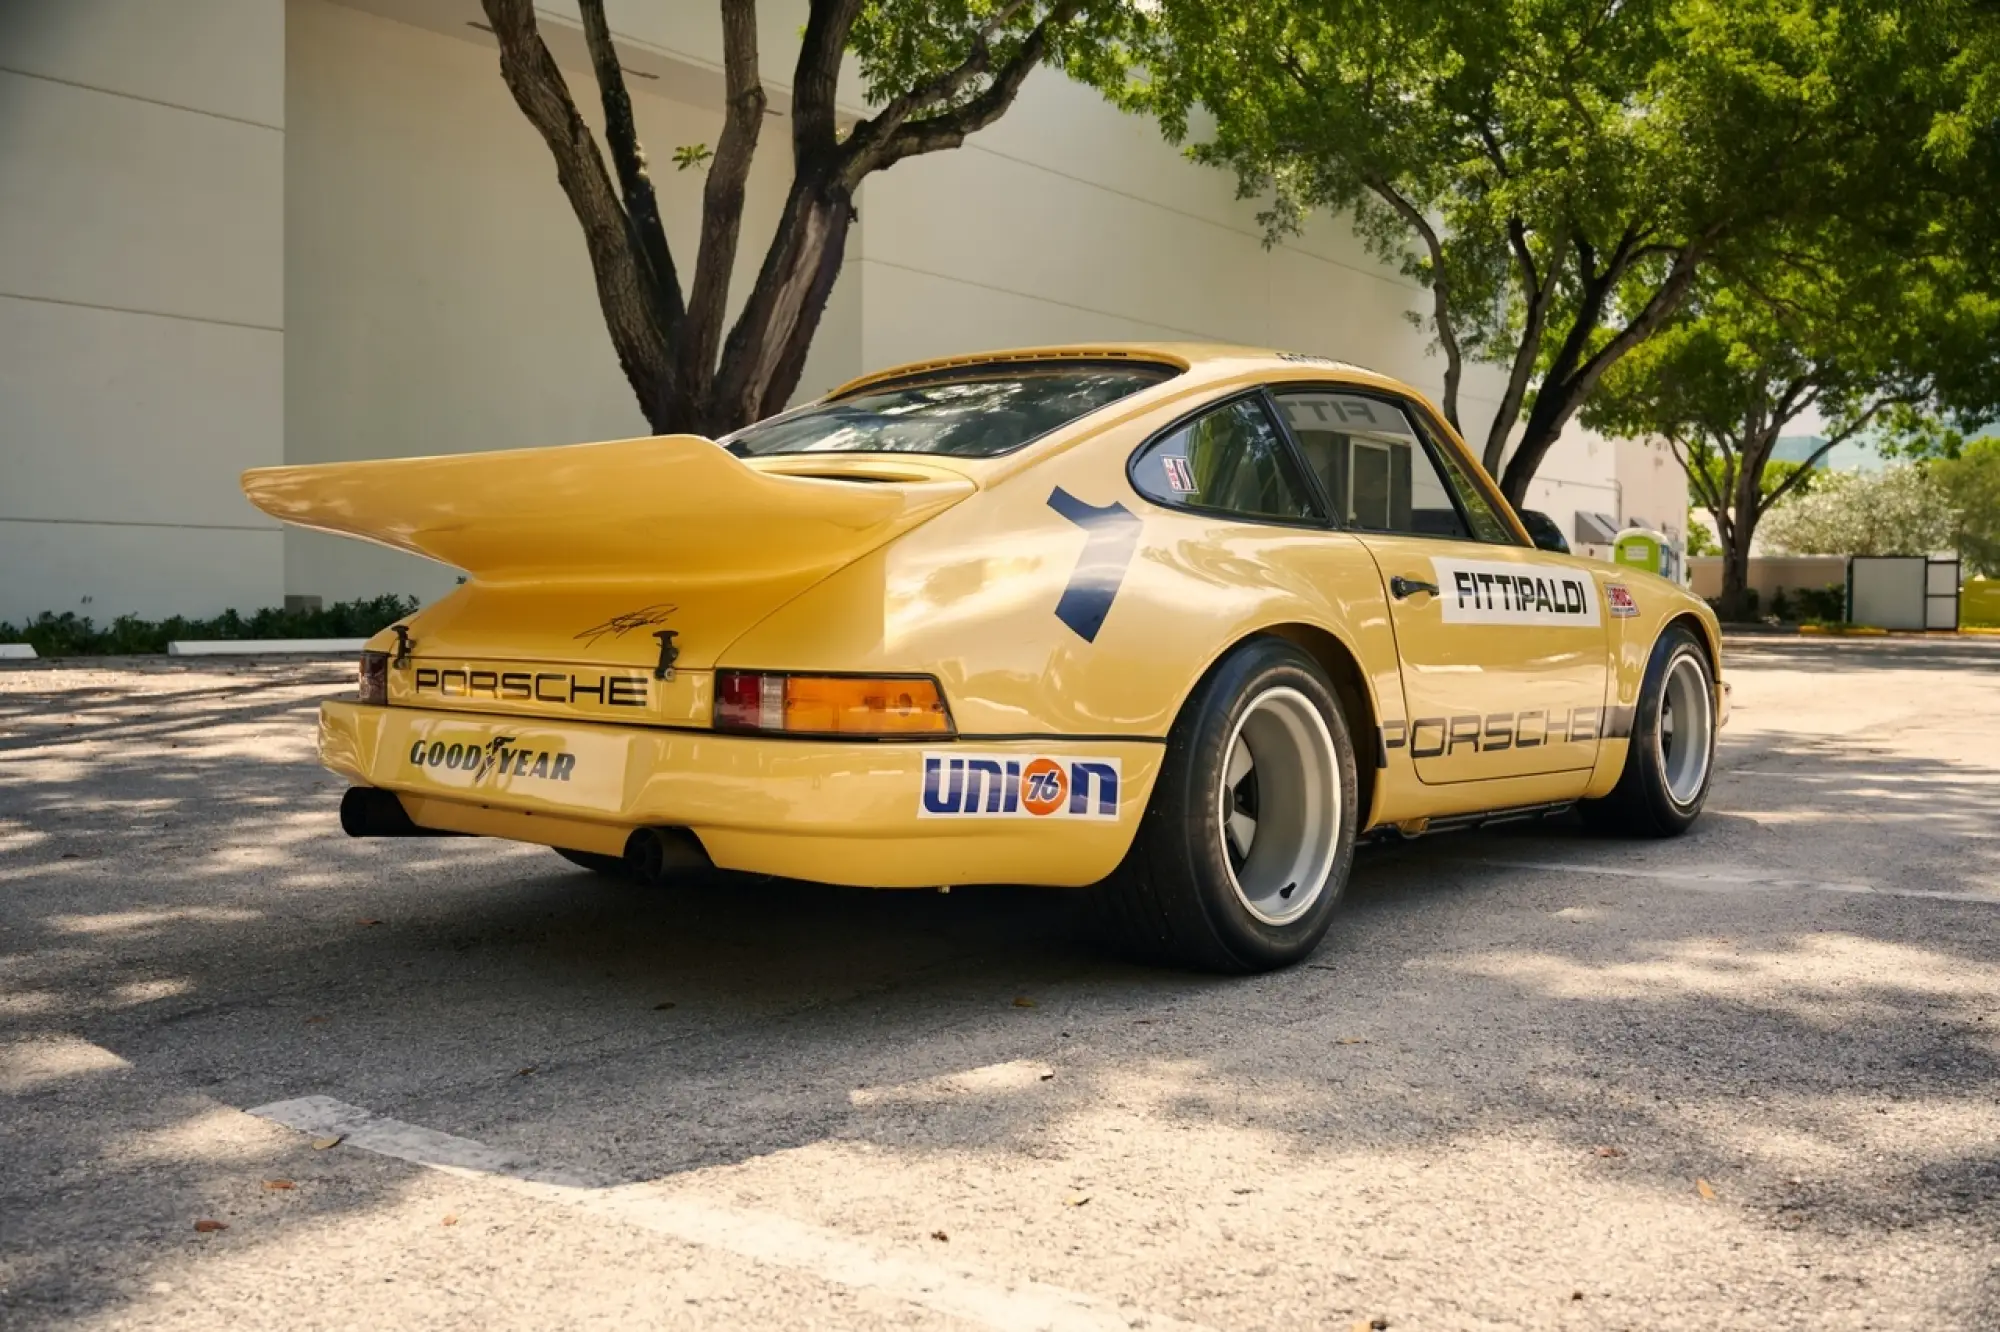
(642, 208)
(816, 79)
(1854, 428)
(722, 194)
(871, 133)
(1442, 313)
(871, 148)
(637, 305)
(1538, 291)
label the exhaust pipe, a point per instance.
(369, 811)
(654, 855)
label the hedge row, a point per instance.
(71, 635)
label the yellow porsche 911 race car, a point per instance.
(1174, 622)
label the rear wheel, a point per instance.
(1245, 846)
(1672, 753)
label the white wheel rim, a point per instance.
(1278, 806)
(1686, 732)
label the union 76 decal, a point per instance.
(1016, 786)
(1503, 592)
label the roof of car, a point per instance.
(1207, 360)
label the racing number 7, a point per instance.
(1100, 569)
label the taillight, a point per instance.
(375, 677)
(829, 704)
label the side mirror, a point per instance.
(1544, 531)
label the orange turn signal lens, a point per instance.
(829, 704)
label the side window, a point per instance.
(1233, 459)
(1487, 525)
(1381, 473)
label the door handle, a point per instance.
(1403, 587)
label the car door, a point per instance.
(1503, 647)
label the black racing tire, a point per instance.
(611, 867)
(1195, 890)
(1661, 791)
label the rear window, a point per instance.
(975, 413)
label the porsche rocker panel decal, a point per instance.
(1440, 737)
(1093, 586)
(1504, 592)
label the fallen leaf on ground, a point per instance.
(524, 1072)
(1576, 1294)
(1048, 1075)
(277, 1184)
(1023, 1001)
(940, 1237)
(451, 1219)
(1610, 1151)
(1352, 1040)
(1076, 1200)
(330, 1140)
(663, 1006)
(316, 1018)
(207, 1227)
(366, 920)
(1705, 1189)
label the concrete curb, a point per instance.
(265, 647)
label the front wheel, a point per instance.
(1672, 753)
(1246, 844)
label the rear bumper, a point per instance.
(851, 813)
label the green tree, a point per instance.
(1972, 482)
(1556, 174)
(935, 71)
(1861, 337)
(1901, 510)
(1700, 540)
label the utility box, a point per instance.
(1902, 592)
(1654, 552)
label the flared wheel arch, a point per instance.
(1350, 686)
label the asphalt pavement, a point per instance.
(255, 1074)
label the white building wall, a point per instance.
(441, 298)
(235, 232)
(141, 303)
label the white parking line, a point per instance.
(1725, 878)
(761, 1236)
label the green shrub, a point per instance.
(1826, 605)
(71, 635)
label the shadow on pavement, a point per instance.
(198, 915)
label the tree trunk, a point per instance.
(1735, 600)
(1734, 604)
(766, 351)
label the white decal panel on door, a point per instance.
(1503, 592)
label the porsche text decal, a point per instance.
(1015, 786)
(1497, 592)
(1441, 737)
(618, 691)
(496, 759)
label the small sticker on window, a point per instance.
(1180, 477)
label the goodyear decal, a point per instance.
(1497, 592)
(497, 759)
(1016, 786)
